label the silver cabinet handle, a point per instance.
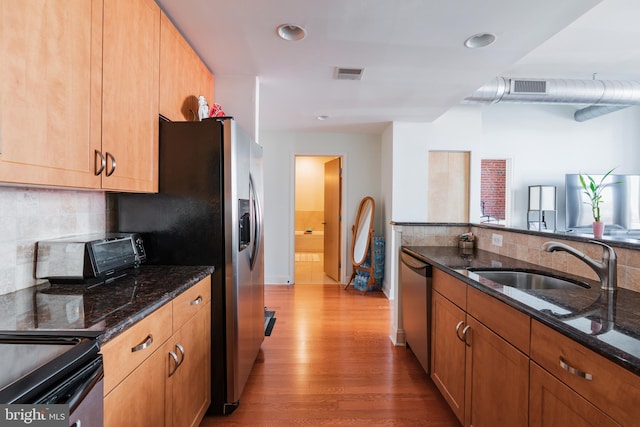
(173, 356)
(575, 371)
(144, 344)
(181, 350)
(465, 331)
(196, 301)
(113, 164)
(458, 326)
(103, 162)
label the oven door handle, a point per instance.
(85, 387)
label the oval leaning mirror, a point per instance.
(362, 230)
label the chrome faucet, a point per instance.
(606, 269)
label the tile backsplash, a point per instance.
(28, 215)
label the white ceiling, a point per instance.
(416, 67)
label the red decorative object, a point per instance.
(216, 111)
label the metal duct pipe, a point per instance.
(594, 111)
(597, 93)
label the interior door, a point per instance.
(448, 192)
(332, 217)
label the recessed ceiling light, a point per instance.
(322, 117)
(479, 40)
(291, 32)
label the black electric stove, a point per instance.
(59, 367)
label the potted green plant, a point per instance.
(593, 191)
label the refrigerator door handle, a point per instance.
(257, 221)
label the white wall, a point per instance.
(361, 177)
(309, 171)
(239, 97)
(543, 143)
(458, 130)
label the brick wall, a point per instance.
(493, 187)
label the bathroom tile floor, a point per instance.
(309, 269)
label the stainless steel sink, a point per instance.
(528, 279)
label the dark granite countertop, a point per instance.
(607, 323)
(109, 308)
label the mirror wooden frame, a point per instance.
(362, 232)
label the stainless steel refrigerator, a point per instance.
(208, 212)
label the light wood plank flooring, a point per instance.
(329, 361)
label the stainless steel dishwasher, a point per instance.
(415, 288)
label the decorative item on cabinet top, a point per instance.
(204, 112)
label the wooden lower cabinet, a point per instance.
(552, 404)
(139, 400)
(189, 390)
(481, 375)
(598, 381)
(495, 366)
(497, 380)
(167, 380)
(448, 352)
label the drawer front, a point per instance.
(128, 350)
(453, 289)
(610, 387)
(511, 324)
(190, 302)
(554, 404)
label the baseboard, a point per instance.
(398, 338)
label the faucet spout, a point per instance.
(606, 269)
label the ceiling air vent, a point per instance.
(528, 86)
(349, 73)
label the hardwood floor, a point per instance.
(329, 361)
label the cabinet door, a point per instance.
(50, 80)
(497, 386)
(190, 384)
(448, 352)
(554, 404)
(183, 76)
(131, 52)
(608, 386)
(139, 400)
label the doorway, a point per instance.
(318, 195)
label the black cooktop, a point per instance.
(32, 361)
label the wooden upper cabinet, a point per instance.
(50, 80)
(183, 76)
(131, 51)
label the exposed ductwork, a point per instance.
(603, 96)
